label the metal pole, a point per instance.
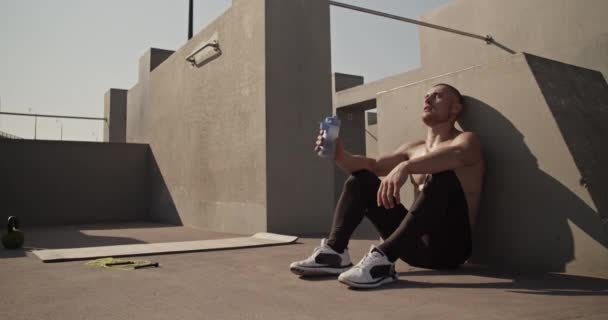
(60, 129)
(190, 15)
(488, 39)
(51, 116)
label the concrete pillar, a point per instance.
(138, 123)
(371, 134)
(115, 112)
(298, 96)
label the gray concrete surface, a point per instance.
(298, 96)
(53, 183)
(205, 125)
(534, 212)
(111, 234)
(138, 97)
(115, 111)
(59, 182)
(366, 93)
(261, 99)
(371, 134)
(578, 100)
(256, 284)
(160, 207)
(572, 32)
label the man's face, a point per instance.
(437, 106)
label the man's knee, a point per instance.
(360, 178)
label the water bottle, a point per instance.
(331, 129)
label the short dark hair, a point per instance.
(454, 91)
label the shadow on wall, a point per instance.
(161, 207)
(578, 100)
(523, 221)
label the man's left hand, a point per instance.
(388, 193)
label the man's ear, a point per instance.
(456, 109)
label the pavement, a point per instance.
(255, 283)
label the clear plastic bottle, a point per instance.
(331, 130)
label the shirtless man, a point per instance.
(446, 171)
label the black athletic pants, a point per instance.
(434, 234)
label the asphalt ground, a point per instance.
(256, 283)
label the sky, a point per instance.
(61, 56)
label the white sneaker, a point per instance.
(323, 261)
(372, 271)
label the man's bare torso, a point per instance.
(470, 177)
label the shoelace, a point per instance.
(363, 261)
(319, 248)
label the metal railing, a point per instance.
(487, 38)
(55, 116)
(4, 135)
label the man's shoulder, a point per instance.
(408, 149)
(467, 137)
(410, 146)
(470, 143)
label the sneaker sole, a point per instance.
(320, 271)
(364, 285)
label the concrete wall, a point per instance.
(579, 103)
(365, 94)
(535, 215)
(573, 32)
(233, 137)
(371, 134)
(53, 182)
(206, 125)
(115, 111)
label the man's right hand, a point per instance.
(339, 149)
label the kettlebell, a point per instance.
(14, 238)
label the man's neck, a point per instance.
(439, 133)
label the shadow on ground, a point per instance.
(527, 283)
(60, 237)
(80, 236)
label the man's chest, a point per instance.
(419, 179)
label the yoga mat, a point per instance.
(257, 240)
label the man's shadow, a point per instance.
(554, 284)
(523, 220)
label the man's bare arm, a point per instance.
(380, 167)
(464, 151)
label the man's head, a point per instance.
(442, 104)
